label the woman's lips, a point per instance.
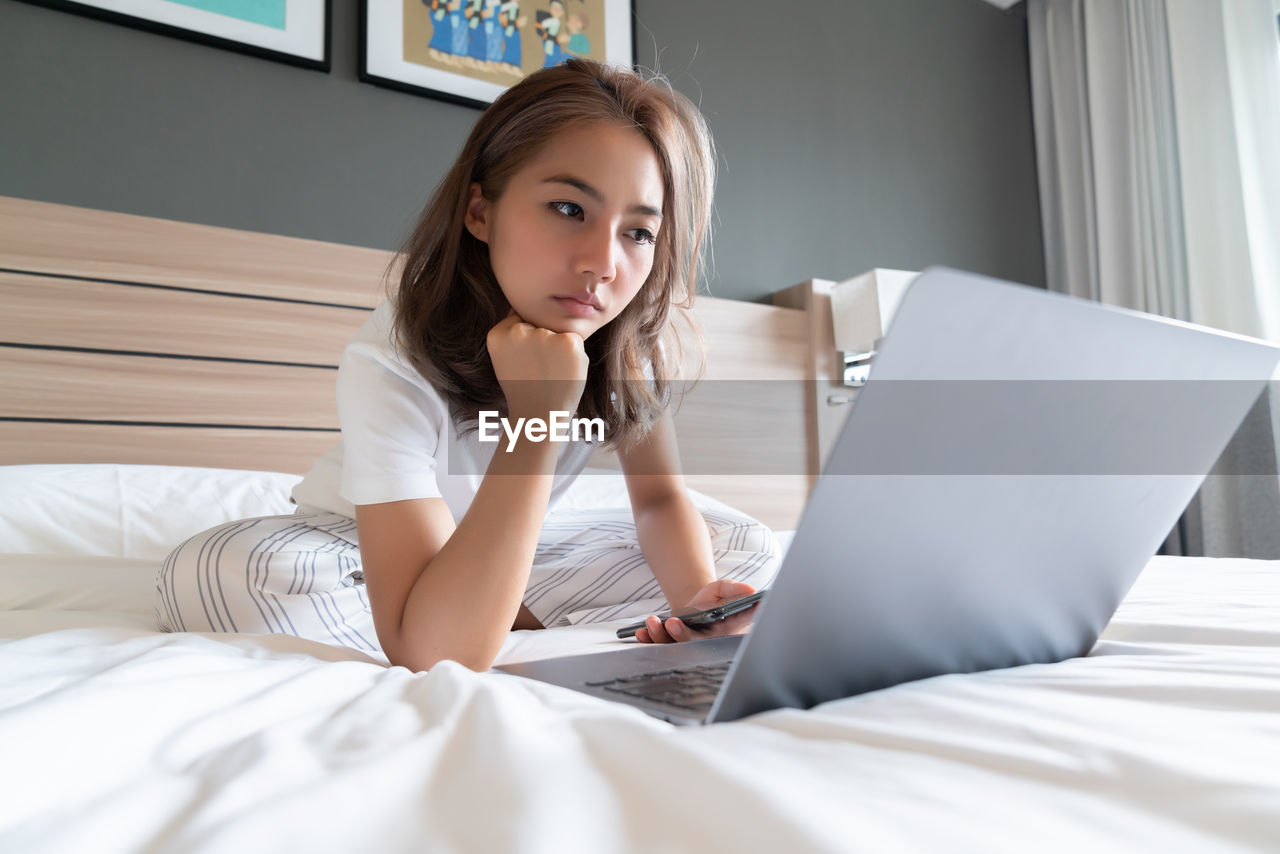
(577, 307)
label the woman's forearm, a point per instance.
(464, 601)
(677, 546)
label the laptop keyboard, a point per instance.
(693, 689)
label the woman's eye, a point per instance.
(573, 210)
(567, 208)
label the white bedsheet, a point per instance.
(114, 737)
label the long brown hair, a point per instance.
(448, 298)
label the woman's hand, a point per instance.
(716, 593)
(540, 371)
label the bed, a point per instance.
(163, 377)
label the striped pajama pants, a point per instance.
(301, 574)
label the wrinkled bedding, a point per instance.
(116, 737)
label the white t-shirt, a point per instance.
(398, 440)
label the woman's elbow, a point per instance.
(420, 657)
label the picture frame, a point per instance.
(445, 49)
(292, 31)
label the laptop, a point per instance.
(1012, 463)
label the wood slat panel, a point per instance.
(120, 317)
(53, 384)
(744, 341)
(265, 450)
(741, 428)
(743, 443)
(67, 240)
(747, 341)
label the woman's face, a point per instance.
(571, 239)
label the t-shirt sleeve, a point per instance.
(392, 425)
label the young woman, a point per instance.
(539, 280)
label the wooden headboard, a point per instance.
(128, 339)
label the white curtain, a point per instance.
(1158, 147)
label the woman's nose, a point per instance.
(597, 254)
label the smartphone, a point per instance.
(703, 618)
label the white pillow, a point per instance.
(128, 511)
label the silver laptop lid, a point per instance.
(1015, 459)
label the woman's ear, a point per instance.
(477, 217)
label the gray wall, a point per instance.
(852, 133)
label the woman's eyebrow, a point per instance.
(579, 184)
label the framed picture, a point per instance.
(469, 51)
(293, 31)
